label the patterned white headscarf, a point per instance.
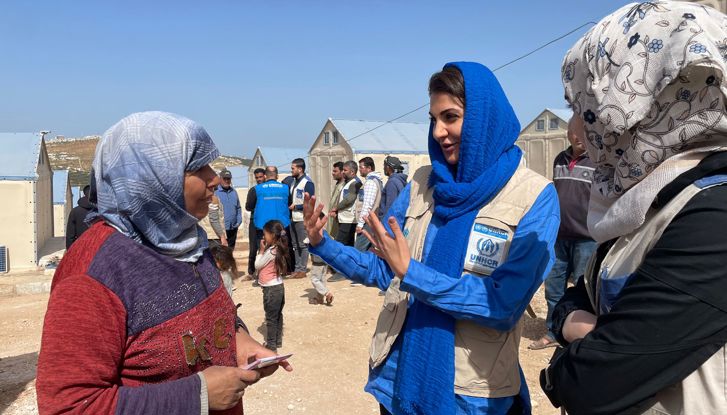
(139, 170)
(649, 82)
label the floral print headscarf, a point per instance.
(649, 82)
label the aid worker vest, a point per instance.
(272, 203)
(377, 200)
(485, 359)
(347, 215)
(297, 193)
(704, 390)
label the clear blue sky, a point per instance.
(271, 72)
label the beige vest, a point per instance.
(347, 215)
(297, 194)
(486, 360)
(704, 391)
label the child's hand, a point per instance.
(263, 245)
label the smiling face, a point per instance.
(199, 187)
(447, 114)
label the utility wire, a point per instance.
(348, 140)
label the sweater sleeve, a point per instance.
(214, 217)
(263, 259)
(499, 300)
(84, 337)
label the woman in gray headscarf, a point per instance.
(645, 330)
(138, 319)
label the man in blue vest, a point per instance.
(272, 202)
(299, 184)
(230, 206)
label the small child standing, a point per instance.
(271, 264)
(225, 263)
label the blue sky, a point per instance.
(267, 73)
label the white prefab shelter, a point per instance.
(543, 139)
(62, 201)
(26, 191)
(343, 140)
(279, 157)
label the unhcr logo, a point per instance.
(486, 247)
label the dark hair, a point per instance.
(271, 171)
(338, 165)
(299, 163)
(258, 171)
(448, 81)
(223, 257)
(351, 166)
(86, 190)
(280, 242)
(368, 162)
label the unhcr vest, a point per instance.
(486, 360)
(272, 203)
(297, 194)
(704, 391)
(347, 215)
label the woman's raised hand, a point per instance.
(312, 220)
(394, 250)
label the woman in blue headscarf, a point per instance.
(465, 247)
(138, 319)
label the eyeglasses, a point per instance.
(227, 179)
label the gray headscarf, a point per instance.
(139, 172)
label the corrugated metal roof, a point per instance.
(60, 181)
(564, 114)
(393, 137)
(19, 156)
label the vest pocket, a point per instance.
(486, 361)
(389, 324)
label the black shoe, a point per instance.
(255, 283)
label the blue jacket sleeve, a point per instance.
(499, 300)
(238, 210)
(362, 267)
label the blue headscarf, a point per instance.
(488, 157)
(139, 172)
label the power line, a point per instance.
(550, 42)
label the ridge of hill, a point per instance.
(75, 154)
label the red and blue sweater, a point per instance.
(127, 329)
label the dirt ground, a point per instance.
(330, 347)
